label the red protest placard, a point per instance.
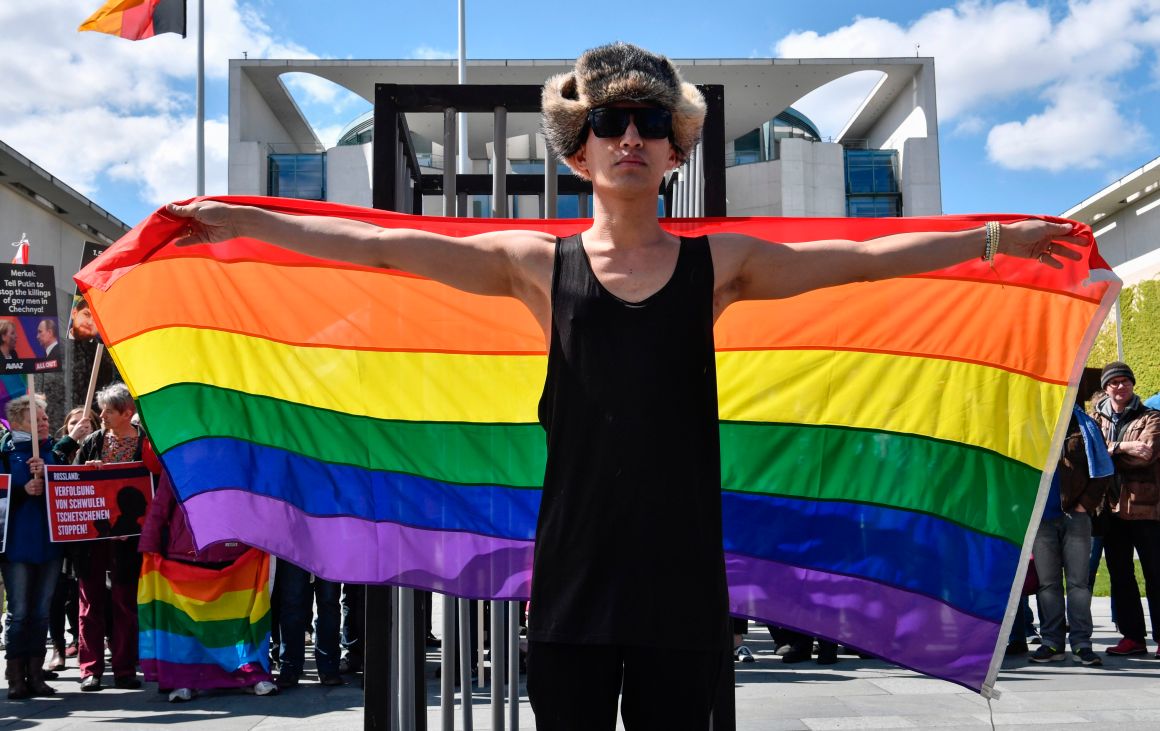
(87, 502)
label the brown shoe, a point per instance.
(36, 677)
(17, 685)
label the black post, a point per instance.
(377, 659)
(380, 623)
(385, 169)
(419, 622)
(713, 149)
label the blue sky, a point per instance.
(1041, 103)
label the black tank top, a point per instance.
(628, 544)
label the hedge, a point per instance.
(1140, 308)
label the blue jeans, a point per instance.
(1063, 547)
(296, 593)
(1024, 624)
(353, 622)
(30, 587)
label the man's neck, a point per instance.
(625, 223)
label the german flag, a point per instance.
(138, 19)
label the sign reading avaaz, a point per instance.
(29, 326)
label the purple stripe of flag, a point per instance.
(905, 628)
(200, 675)
(344, 548)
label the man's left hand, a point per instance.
(1042, 240)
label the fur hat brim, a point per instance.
(618, 72)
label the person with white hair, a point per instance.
(31, 561)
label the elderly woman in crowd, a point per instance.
(31, 561)
(118, 440)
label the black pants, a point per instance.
(64, 605)
(1144, 536)
(575, 687)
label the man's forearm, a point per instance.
(321, 236)
(923, 251)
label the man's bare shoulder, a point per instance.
(731, 250)
(530, 243)
(730, 241)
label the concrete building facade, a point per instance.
(1125, 218)
(884, 162)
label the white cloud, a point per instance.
(90, 105)
(428, 53)
(831, 106)
(969, 125)
(317, 90)
(1079, 129)
(328, 134)
(987, 54)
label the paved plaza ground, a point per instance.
(854, 694)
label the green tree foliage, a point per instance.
(1140, 306)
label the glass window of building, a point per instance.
(872, 183)
(762, 144)
(297, 175)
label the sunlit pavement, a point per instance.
(854, 694)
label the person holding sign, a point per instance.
(117, 441)
(31, 560)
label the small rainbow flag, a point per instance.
(883, 444)
(204, 628)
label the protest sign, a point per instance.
(5, 481)
(80, 320)
(29, 327)
(87, 502)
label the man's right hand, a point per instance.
(207, 222)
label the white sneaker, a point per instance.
(180, 694)
(743, 654)
(264, 687)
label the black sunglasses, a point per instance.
(651, 123)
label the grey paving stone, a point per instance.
(857, 722)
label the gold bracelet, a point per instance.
(991, 246)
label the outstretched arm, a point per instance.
(763, 271)
(489, 263)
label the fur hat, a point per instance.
(619, 72)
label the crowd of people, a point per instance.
(90, 589)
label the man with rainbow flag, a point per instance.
(630, 399)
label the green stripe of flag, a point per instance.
(511, 455)
(972, 487)
(164, 617)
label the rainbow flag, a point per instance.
(883, 444)
(204, 628)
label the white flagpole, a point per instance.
(464, 161)
(201, 97)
